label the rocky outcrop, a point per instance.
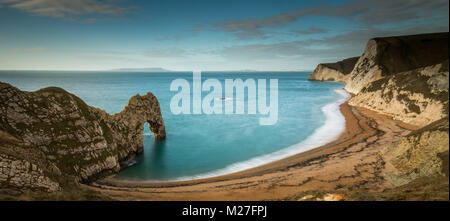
(50, 137)
(24, 175)
(417, 97)
(391, 55)
(338, 71)
(422, 153)
(405, 77)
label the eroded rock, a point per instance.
(338, 71)
(405, 77)
(423, 153)
(67, 137)
(391, 55)
(417, 97)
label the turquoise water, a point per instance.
(206, 145)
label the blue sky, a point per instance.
(283, 35)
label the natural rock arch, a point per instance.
(141, 109)
(66, 139)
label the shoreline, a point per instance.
(320, 168)
(114, 181)
(334, 125)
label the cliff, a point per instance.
(417, 97)
(406, 78)
(391, 55)
(51, 137)
(338, 71)
(422, 153)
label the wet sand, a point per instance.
(353, 162)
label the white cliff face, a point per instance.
(338, 71)
(405, 77)
(323, 73)
(417, 97)
(391, 55)
(366, 69)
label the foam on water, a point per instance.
(205, 145)
(333, 127)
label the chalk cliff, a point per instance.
(338, 71)
(407, 78)
(50, 137)
(391, 55)
(418, 96)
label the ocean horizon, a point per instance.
(201, 146)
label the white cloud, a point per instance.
(64, 8)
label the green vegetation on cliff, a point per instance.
(51, 140)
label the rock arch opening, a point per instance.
(158, 129)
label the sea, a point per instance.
(206, 145)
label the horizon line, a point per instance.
(114, 70)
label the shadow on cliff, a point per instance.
(50, 137)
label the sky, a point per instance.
(186, 35)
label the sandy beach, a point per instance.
(353, 162)
(265, 102)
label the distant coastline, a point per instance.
(395, 141)
(142, 69)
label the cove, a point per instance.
(206, 145)
(216, 97)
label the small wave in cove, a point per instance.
(333, 127)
